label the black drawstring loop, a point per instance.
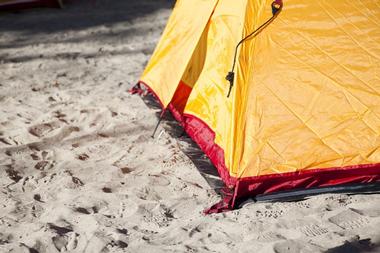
(276, 8)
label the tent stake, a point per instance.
(159, 121)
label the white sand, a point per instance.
(80, 173)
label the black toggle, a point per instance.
(230, 77)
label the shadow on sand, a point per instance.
(187, 145)
(356, 246)
(79, 14)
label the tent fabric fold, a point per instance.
(304, 111)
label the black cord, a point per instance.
(231, 75)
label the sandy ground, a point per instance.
(80, 173)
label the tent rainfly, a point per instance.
(300, 108)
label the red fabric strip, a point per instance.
(237, 188)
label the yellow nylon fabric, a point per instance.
(307, 87)
(208, 100)
(195, 66)
(311, 84)
(175, 49)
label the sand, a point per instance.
(80, 172)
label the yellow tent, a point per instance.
(304, 108)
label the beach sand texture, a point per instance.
(79, 171)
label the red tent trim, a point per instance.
(237, 188)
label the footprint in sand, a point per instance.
(292, 246)
(125, 165)
(59, 115)
(147, 193)
(83, 157)
(107, 190)
(65, 238)
(338, 200)
(160, 215)
(43, 158)
(41, 130)
(100, 151)
(30, 249)
(158, 180)
(61, 229)
(29, 184)
(114, 245)
(13, 174)
(349, 219)
(145, 232)
(6, 141)
(82, 210)
(5, 239)
(269, 237)
(70, 181)
(127, 209)
(302, 204)
(8, 222)
(36, 210)
(122, 231)
(309, 227)
(372, 212)
(313, 230)
(269, 214)
(176, 160)
(124, 169)
(43, 165)
(44, 155)
(35, 156)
